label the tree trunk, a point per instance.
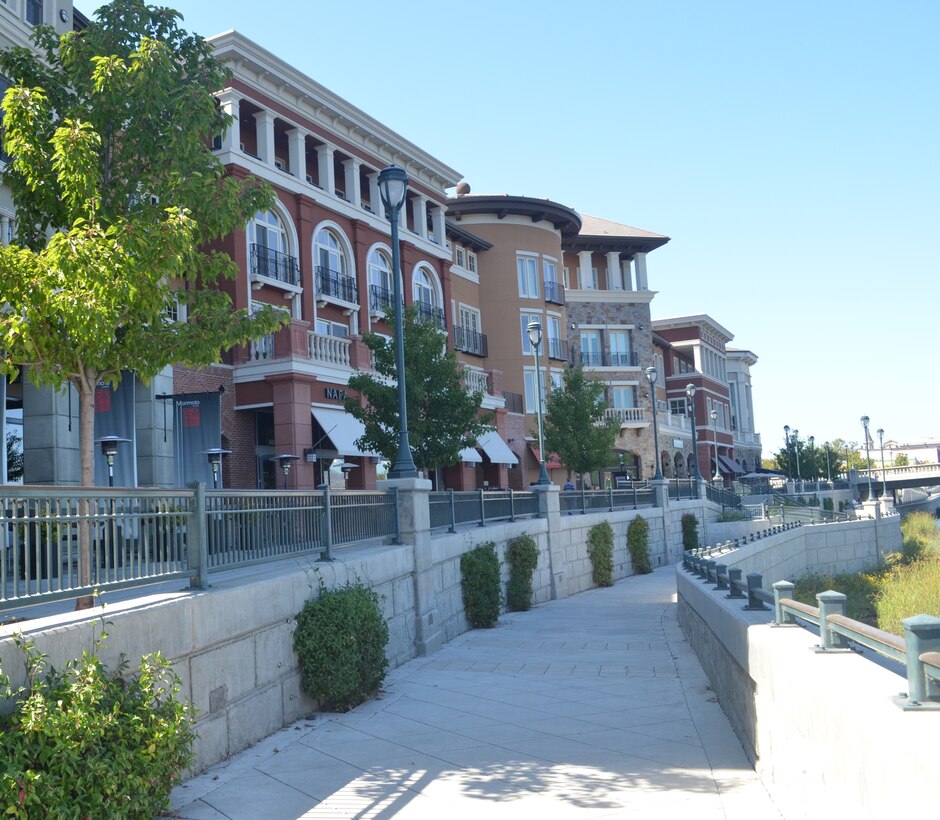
(86, 392)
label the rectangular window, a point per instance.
(326, 328)
(528, 269)
(591, 348)
(470, 319)
(471, 262)
(530, 391)
(620, 348)
(34, 12)
(589, 280)
(567, 278)
(549, 271)
(458, 261)
(678, 407)
(623, 397)
(524, 319)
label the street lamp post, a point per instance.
(393, 186)
(690, 392)
(881, 445)
(865, 421)
(786, 438)
(651, 375)
(714, 417)
(534, 331)
(796, 454)
(812, 455)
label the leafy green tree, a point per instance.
(14, 446)
(575, 425)
(901, 460)
(118, 199)
(443, 416)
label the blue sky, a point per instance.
(789, 149)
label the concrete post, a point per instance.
(198, 540)
(550, 510)
(734, 577)
(921, 634)
(830, 603)
(782, 589)
(415, 516)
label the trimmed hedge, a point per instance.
(638, 544)
(340, 642)
(522, 556)
(479, 569)
(689, 531)
(601, 552)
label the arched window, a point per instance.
(679, 466)
(333, 278)
(427, 297)
(269, 249)
(330, 254)
(691, 464)
(381, 286)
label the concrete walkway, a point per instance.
(590, 707)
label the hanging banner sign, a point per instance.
(197, 427)
(115, 416)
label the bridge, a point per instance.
(898, 478)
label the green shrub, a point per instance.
(908, 590)
(522, 556)
(600, 549)
(920, 536)
(83, 742)
(689, 531)
(861, 590)
(827, 504)
(731, 515)
(479, 569)
(638, 543)
(340, 642)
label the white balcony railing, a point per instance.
(627, 415)
(475, 380)
(262, 349)
(326, 349)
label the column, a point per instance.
(419, 213)
(415, 518)
(265, 120)
(375, 198)
(437, 224)
(585, 274)
(614, 274)
(296, 155)
(627, 274)
(293, 432)
(351, 168)
(325, 168)
(550, 510)
(4, 230)
(231, 139)
(639, 262)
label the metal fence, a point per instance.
(683, 488)
(448, 508)
(719, 495)
(916, 651)
(66, 543)
(625, 498)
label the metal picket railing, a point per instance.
(448, 508)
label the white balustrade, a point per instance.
(627, 415)
(262, 349)
(328, 349)
(475, 380)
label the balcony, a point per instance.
(475, 380)
(595, 358)
(555, 293)
(469, 341)
(430, 313)
(334, 285)
(628, 416)
(274, 265)
(557, 349)
(380, 299)
(330, 350)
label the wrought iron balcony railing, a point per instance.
(555, 293)
(469, 341)
(380, 299)
(429, 313)
(337, 285)
(272, 264)
(557, 349)
(596, 358)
